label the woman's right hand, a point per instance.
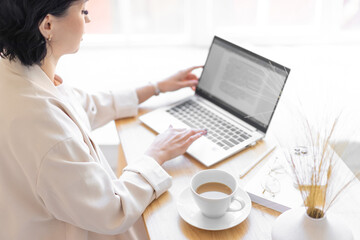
(172, 143)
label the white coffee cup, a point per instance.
(211, 206)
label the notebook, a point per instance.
(235, 99)
(274, 186)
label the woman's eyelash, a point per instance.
(85, 12)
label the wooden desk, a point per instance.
(161, 217)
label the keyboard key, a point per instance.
(233, 141)
(240, 139)
(228, 143)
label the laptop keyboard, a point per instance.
(219, 131)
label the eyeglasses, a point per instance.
(270, 183)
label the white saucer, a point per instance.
(191, 214)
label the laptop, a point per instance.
(235, 99)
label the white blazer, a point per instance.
(54, 181)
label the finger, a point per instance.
(190, 83)
(170, 129)
(191, 77)
(192, 139)
(180, 130)
(192, 132)
(193, 68)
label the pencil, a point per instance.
(248, 168)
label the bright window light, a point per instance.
(194, 22)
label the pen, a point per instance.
(248, 168)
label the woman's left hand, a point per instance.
(184, 78)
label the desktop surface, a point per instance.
(162, 219)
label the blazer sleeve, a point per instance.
(77, 190)
(103, 107)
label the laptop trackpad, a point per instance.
(201, 151)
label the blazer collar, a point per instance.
(33, 74)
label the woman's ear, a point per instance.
(46, 27)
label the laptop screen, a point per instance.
(245, 84)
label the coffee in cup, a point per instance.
(214, 192)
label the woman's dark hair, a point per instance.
(20, 37)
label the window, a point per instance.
(194, 22)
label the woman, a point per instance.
(54, 181)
